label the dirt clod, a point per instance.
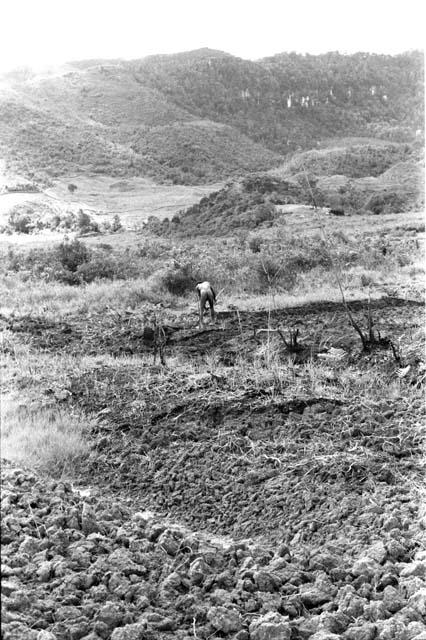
(147, 578)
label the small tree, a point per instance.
(116, 224)
(83, 220)
(72, 187)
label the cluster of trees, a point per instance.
(26, 219)
(246, 204)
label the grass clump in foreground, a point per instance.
(48, 438)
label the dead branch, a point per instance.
(291, 344)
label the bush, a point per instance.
(26, 219)
(263, 213)
(268, 270)
(72, 254)
(273, 272)
(180, 280)
(73, 263)
(255, 244)
(153, 224)
(20, 222)
(388, 202)
(85, 224)
(100, 266)
(152, 248)
(404, 259)
(366, 279)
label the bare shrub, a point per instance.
(274, 273)
(268, 269)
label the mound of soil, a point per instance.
(77, 565)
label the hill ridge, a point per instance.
(272, 107)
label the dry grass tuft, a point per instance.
(47, 438)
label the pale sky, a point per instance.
(50, 32)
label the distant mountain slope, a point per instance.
(203, 149)
(291, 100)
(38, 142)
(103, 119)
(203, 115)
(106, 94)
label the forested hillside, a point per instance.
(202, 116)
(291, 100)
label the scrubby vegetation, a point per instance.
(71, 262)
(221, 213)
(280, 258)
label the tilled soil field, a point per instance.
(87, 566)
(328, 473)
(119, 333)
(300, 500)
